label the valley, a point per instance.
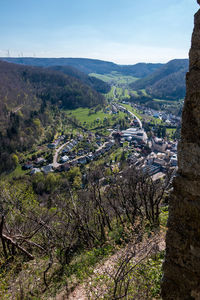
(88, 177)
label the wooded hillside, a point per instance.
(168, 82)
(28, 97)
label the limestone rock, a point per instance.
(181, 278)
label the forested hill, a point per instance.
(168, 82)
(20, 84)
(28, 98)
(88, 65)
(95, 83)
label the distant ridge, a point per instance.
(87, 65)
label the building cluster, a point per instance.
(168, 118)
(134, 133)
(71, 155)
(154, 156)
(162, 156)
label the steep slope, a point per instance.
(20, 84)
(88, 65)
(28, 98)
(95, 83)
(168, 82)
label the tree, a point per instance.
(15, 160)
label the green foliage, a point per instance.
(45, 183)
(37, 122)
(73, 172)
(74, 228)
(164, 216)
(82, 265)
(15, 160)
(118, 234)
(130, 280)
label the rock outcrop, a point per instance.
(182, 263)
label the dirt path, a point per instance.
(141, 250)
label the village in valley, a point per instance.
(139, 144)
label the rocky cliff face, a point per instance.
(182, 264)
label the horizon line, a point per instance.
(87, 58)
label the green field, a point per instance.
(110, 95)
(16, 173)
(118, 93)
(115, 78)
(144, 92)
(94, 119)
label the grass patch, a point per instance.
(135, 93)
(88, 117)
(18, 172)
(163, 101)
(164, 213)
(115, 78)
(133, 110)
(82, 265)
(144, 92)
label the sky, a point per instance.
(121, 31)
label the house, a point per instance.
(156, 115)
(47, 169)
(72, 156)
(64, 159)
(70, 145)
(34, 171)
(66, 150)
(159, 144)
(74, 162)
(80, 152)
(159, 162)
(89, 157)
(158, 176)
(27, 166)
(132, 159)
(40, 161)
(53, 145)
(65, 167)
(102, 151)
(150, 158)
(82, 161)
(173, 160)
(128, 138)
(98, 143)
(151, 170)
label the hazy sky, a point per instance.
(122, 31)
